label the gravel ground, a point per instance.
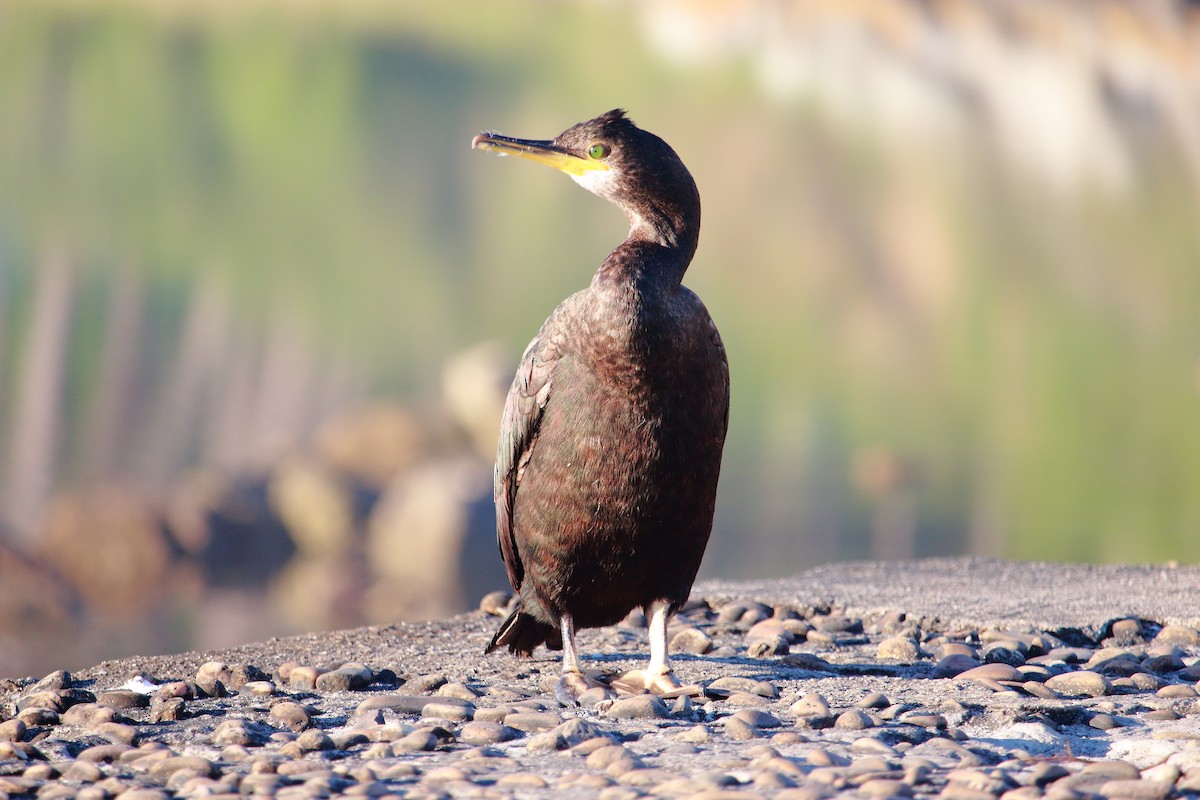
(959, 678)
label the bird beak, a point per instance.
(542, 151)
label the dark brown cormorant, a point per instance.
(611, 439)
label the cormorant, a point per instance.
(611, 438)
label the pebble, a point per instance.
(459, 691)
(952, 648)
(757, 719)
(1011, 653)
(604, 757)
(638, 707)
(570, 734)
(289, 715)
(533, 721)
(522, 780)
(122, 699)
(898, 648)
(770, 629)
(958, 791)
(741, 729)
(260, 688)
(1126, 632)
(52, 700)
(477, 734)
(807, 661)
(1135, 789)
(698, 734)
(1039, 689)
(495, 603)
(1145, 682)
(455, 712)
(1161, 715)
(173, 764)
(1110, 657)
(690, 640)
(1168, 773)
(53, 682)
(1164, 659)
(314, 739)
(346, 678)
(172, 709)
(303, 678)
(853, 720)
(103, 753)
(1045, 772)
(426, 683)
(874, 700)
(1079, 683)
(885, 787)
(87, 714)
(39, 717)
(401, 703)
(116, 732)
(993, 671)
(744, 699)
(749, 685)
(82, 772)
(1114, 770)
(240, 732)
(770, 646)
(1178, 635)
(954, 664)
(486, 732)
(418, 740)
(922, 720)
(837, 623)
(13, 730)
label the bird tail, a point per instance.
(520, 633)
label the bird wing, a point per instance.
(715, 337)
(523, 411)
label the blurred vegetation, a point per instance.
(953, 252)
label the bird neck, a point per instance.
(662, 240)
(664, 224)
(646, 266)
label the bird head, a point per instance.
(632, 168)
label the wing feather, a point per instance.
(523, 410)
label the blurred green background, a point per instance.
(245, 249)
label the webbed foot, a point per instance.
(663, 684)
(572, 685)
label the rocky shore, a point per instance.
(959, 678)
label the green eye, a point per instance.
(598, 151)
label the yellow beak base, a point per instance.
(541, 151)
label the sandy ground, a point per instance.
(987, 592)
(1075, 603)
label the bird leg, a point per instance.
(657, 677)
(572, 683)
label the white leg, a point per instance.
(657, 677)
(572, 683)
(658, 639)
(570, 659)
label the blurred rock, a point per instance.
(475, 383)
(386, 516)
(228, 525)
(431, 542)
(315, 505)
(321, 592)
(33, 598)
(109, 544)
(373, 444)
